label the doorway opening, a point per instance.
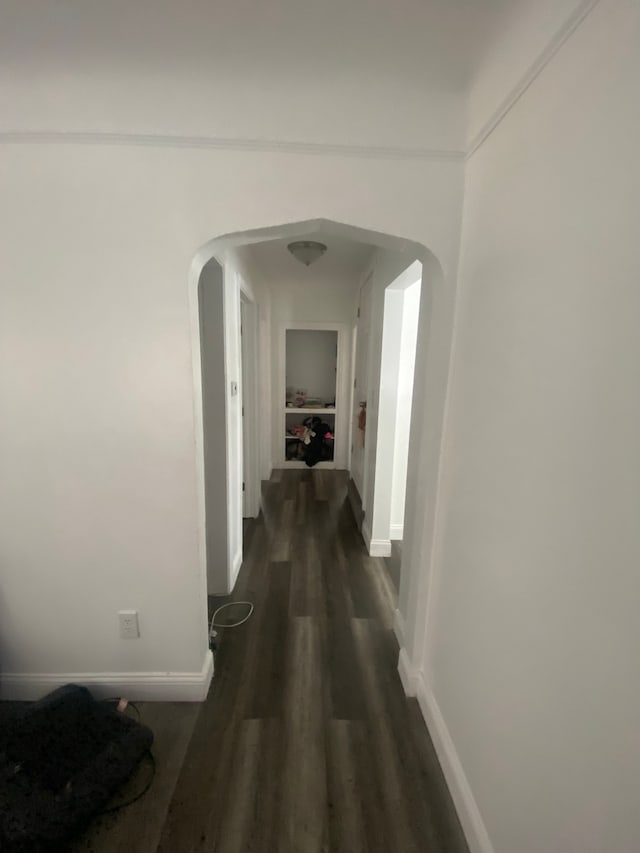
(223, 386)
(399, 343)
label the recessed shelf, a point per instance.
(311, 410)
(297, 438)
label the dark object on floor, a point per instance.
(316, 450)
(61, 759)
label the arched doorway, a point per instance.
(420, 496)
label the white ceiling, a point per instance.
(344, 259)
(421, 40)
(369, 72)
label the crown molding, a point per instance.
(561, 35)
(281, 146)
(161, 140)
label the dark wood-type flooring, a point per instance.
(306, 743)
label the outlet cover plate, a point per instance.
(129, 628)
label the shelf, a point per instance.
(296, 438)
(311, 410)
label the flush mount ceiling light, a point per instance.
(307, 251)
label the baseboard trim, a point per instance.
(470, 818)
(407, 673)
(375, 547)
(399, 628)
(141, 686)
(396, 531)
(380, 548)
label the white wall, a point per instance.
(256, 290)
(99, 506)
(408, 339)
(387, 267)
(311, 359)
(523, 36)
(532, 655)
(215, 404)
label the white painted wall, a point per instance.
(311, 360)
(408, 339)
(99, 495)
(233, 367)
(215, 404)
(523, 34)
(360, 386)
(398, 269)
(386, 393)
(532, 654)
(257, 291)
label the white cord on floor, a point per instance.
(213, 625)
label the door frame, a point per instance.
(249, 401)
(340, 456)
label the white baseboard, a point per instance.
(380, 548)
(375, 547)
(399, 628)
(396, 531)
(408, 675)
(141, 686)
(470, 818)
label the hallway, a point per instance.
(306, 743)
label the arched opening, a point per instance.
(216, 266)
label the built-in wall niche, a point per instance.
(311, 365)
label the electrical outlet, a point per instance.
(129, 628)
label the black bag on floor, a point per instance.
(61, 759)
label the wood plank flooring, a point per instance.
(306, 743)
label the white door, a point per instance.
(360, 389)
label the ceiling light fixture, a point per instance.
(307, 251)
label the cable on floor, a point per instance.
(237, 624)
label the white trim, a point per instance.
(414, 684)
(219, 143)
(297, 463)
(340, 455)
(396, 531)
(147, 686)
(407, 673)
(399, 627)
(236, 565)
(375, 547)
(249, 401)
(380, 548)
(562, 34)
(468, 812)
